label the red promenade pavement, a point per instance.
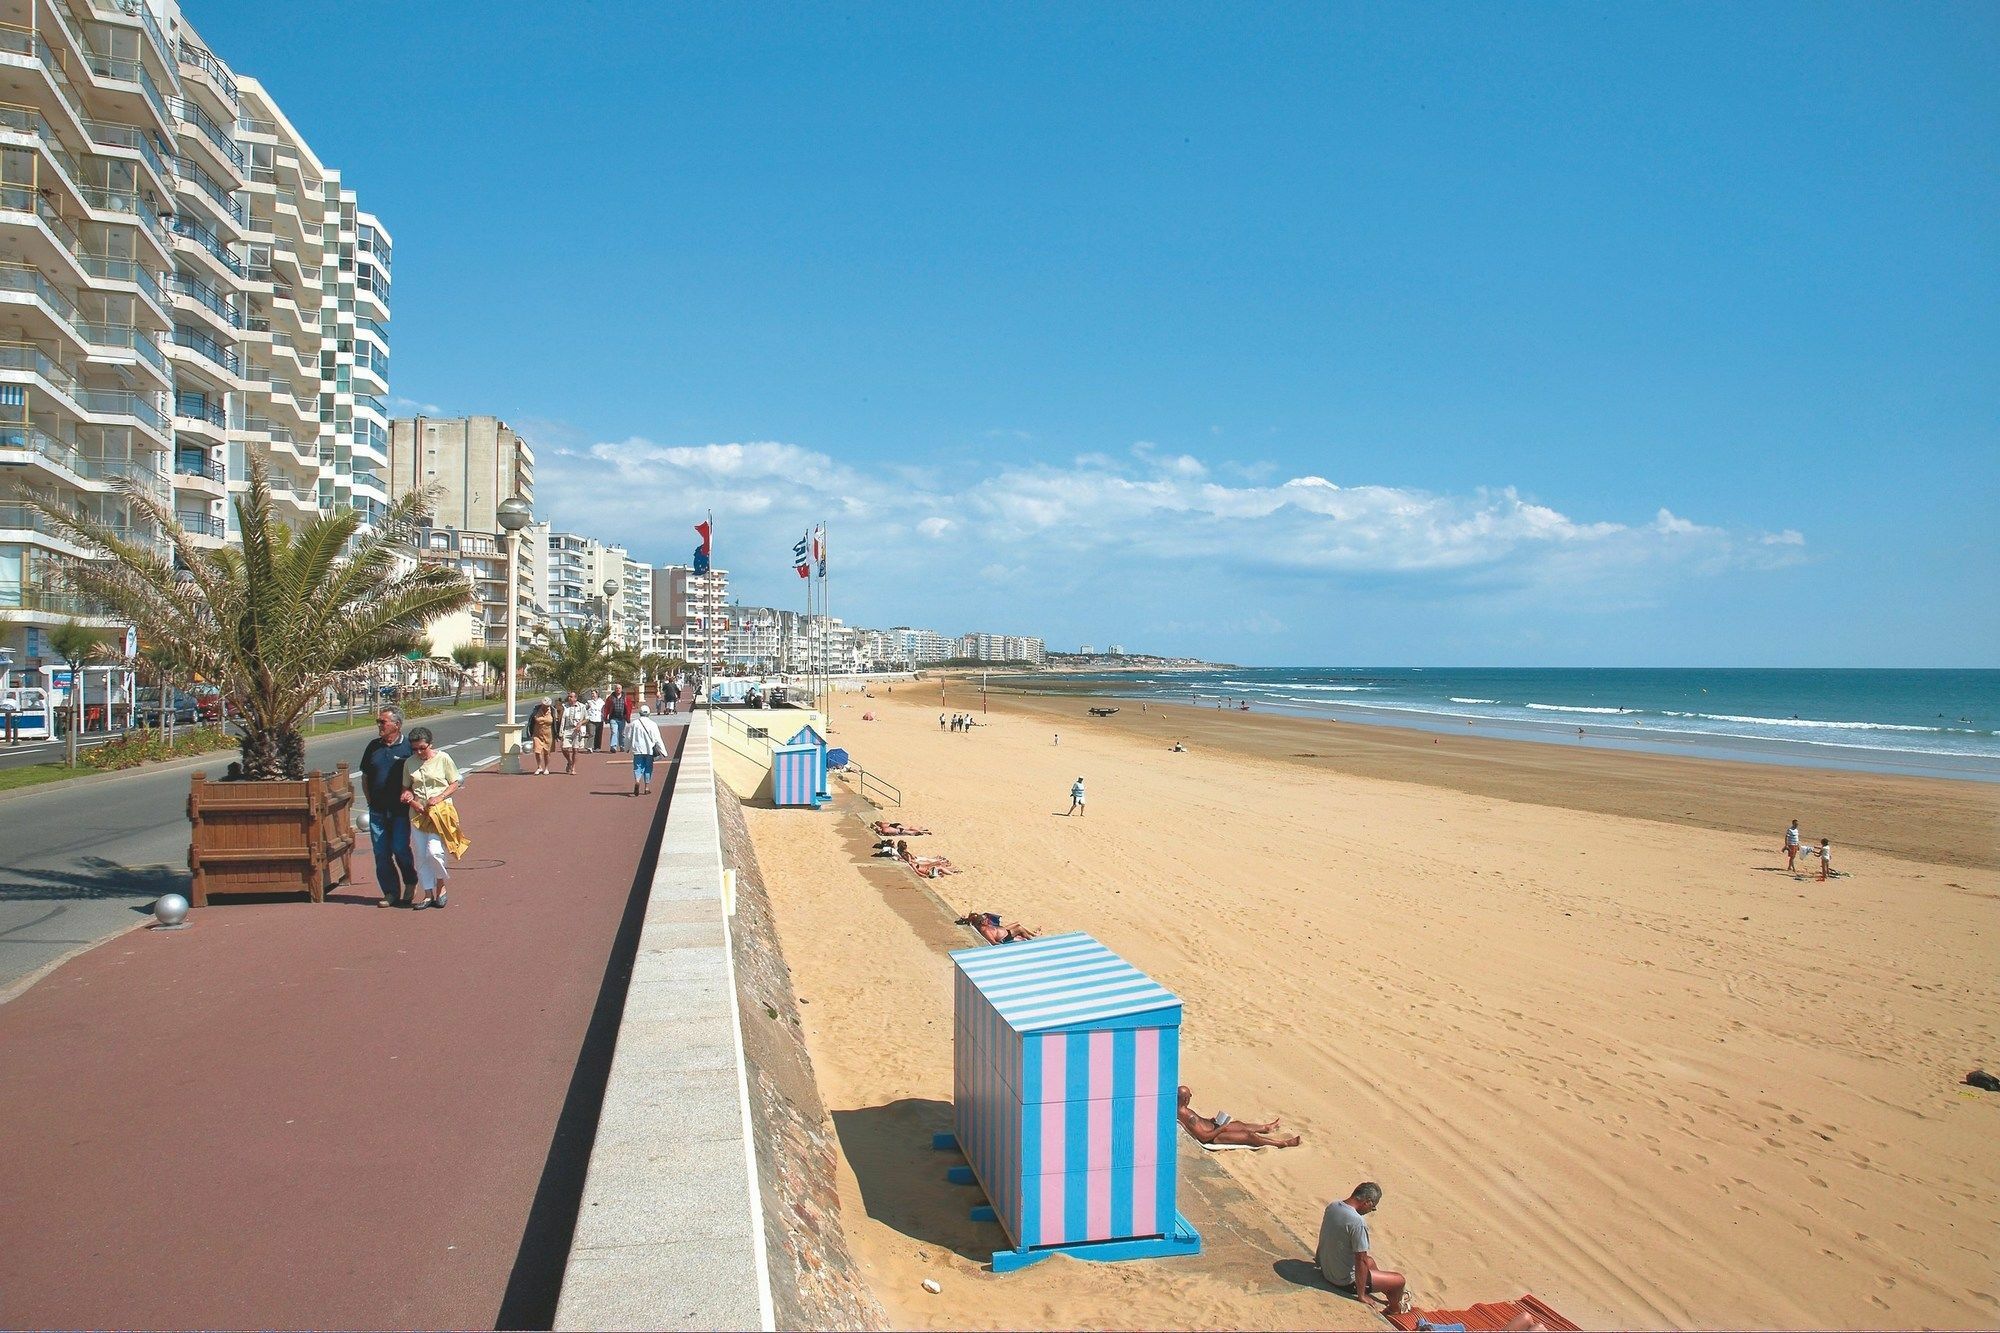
(337, 1116)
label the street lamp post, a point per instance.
(514, 514)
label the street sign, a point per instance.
(131, 642)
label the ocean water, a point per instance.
(1935, 723)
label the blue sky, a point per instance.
(1445, 334)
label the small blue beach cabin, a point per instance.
(798, 770)
(1067, 1064)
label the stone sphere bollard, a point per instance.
(171, 910)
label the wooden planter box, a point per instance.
(271, 837)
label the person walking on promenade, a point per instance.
(430, 779)
(643, 739)
(542, 735)
(593, 709)
(1076, 797)
(575, 724)
(617, 712)
(1343, 1256)
(10, 709)
(671, 692)
(382, 765)
(1792, 847)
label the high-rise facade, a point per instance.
(473, 463)
(184, 287)
(691, 614)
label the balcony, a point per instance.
(27, 279)
(207, 296)
(145, 145)
(204, 236)
(200, 407)
(201, 525)
(124, 338)
(31, 359)
(130, 71)
(64, 454)
(190, 172)
(204, 124)
(117, 402)
(201, 60)
(201, 343)
(111, 269)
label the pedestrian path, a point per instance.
(336, 1116)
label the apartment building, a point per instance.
(1001, 648)
(473, 463)
(770, 638)
(919, 646)
(584, 582)
(691, 614)
(183, 287)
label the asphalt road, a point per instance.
(45, 751)
(80, 863)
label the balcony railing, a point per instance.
(113, 269)
(200, 58)
(141, 209)
(90, 467)
(191, 171)
(30, 358)
(205, 237)
(193, 116)
(194, 465)
(119, 402)
(24, 278)
(207, 296)
(200, 342)
(126, 338)
(130, 136)
(200, 407)
(20, 516)
(203, 525)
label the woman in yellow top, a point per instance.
(429, 779)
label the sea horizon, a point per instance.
(1917, 721)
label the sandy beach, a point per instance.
(1565, 1006)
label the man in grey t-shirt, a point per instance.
(1343, 1255)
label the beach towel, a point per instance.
(1230, 1147)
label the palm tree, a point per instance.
(579, 658)
(161, 664)
(496, 667)
(468, 656)
(273, 621)
(73, 643)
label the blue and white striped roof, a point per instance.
(1060, 981)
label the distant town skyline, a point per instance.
(1386, 334)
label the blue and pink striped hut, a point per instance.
(798, 770)
(1067, 1063)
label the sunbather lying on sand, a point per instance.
(1222, 1129)
(889, 828)
(930, 867)
(989, 928)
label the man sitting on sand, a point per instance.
(989, 928)
(1343, 1255)
(1221, 1129)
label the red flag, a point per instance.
(707, 548)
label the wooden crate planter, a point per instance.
(271, 837)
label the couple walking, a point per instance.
(412, 820)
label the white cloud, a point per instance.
(1134, 525)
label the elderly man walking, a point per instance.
(382, 766)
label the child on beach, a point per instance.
(1825, 858)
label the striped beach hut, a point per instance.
(798, 770)
(1067, 1060)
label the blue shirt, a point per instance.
(382, 774)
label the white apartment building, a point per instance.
(1001, 648)
(769, 638)
(691, 614)
(183, 287)
(920, 646)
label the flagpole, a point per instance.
(826, 607)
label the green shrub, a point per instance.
(146, 747)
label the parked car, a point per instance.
(210, 705)
(147, 708)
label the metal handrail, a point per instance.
(201, 58)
